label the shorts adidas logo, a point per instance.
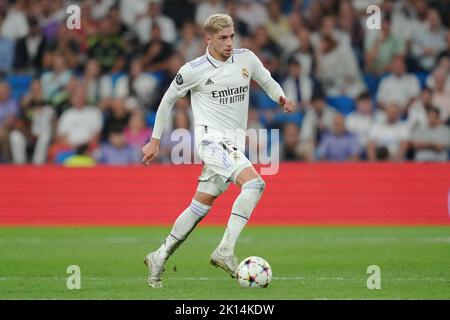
(209, 81)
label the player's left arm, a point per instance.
(263, 77)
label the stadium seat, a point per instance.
(150, 119)
(115, 76)
(261, 100)
(343, 104)
(371, 82)
(159, 75)
(422, 77)
(61, 156)
(283, 118)
(20, 84)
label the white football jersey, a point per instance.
(219, 91)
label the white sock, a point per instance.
(182, 227)
(242, 209)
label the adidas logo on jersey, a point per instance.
(209, 81)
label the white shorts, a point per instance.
(223, 160)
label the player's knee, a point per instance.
(255, 184)
(199, 209)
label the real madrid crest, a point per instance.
(244, 73)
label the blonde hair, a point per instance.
(216, 22)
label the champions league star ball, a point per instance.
(254, 272)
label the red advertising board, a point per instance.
(349, 194)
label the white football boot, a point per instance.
(227, 263)
(155, 269)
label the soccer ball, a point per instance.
(254, 272)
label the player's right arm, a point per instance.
(263, 77)
(183, 81)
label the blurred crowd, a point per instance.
(88, 96)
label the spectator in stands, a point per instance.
(291, 148)
(381, 47)
(314, 13)
(34, 134)
(9, 110)
(154, 15)
(100, 8)
(404, 17)
(190, 45)
(89, 26)
(131, 10)
(98, 87)
(400, 87)
(136, 132)
(431, 143)
(137, 85)
(207, 8)
(34, 96)
(388, 140)
(15, 24)
(107, 48)
(428, 40)
(417, 114)
(117, 151)
(297, 86)
(253, 13)
(157, 52)
(444, 55)
(267, 50)
(116, 116)
(173, 65)
(56, 79)
(120, 28)
(296, 20)
(337, 69)
(349, 23)
(441, 71)
(6, 49)
(240, 26)
(81, 158)
(441, 93)
(318, 119)
(61, 101)
(30, 49)
(180, 11)
(183, 138)
(34, 130)
(362, 119)
(278, 26)
(81, 123)
(305, 51)
(51, 16)
(64, 45)
(328, 29)
(339, 144)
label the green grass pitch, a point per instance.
(307, 262)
